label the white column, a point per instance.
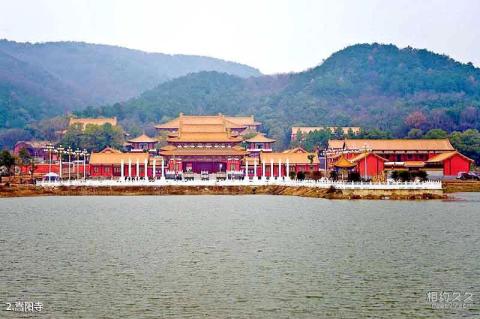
(255, 177)
(146, 170)
(271, 169)
(60, 168)
(246, 170)
(137, 172)
(154, 173)
(263, 170)
(288, 169)
(130, 167)
(122, 173)
(279, 168)
(163, 169)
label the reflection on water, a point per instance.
(237, 256)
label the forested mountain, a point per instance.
(369, 85)
(45, 79)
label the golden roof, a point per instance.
(203, 152)
(414, 164)
(109, 150)
(204, 137)
(143, 139)
(308, 129)
(444, 156)
(399, 145)
(365, 154)
(295, 150)
(336, 144)
(95, 121)
(242, 120)
(226, 121)
(293, 158)
(260, 138)
(342, 162)
(116, 158)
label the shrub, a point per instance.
(394, 175)
(334, 175)
(301, 176)
(292, 175)
(404, 176)
(354, 176)
(316, 175)
(421, 175)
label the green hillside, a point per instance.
(45, 79)
(369, 85)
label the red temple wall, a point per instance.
(455, 164)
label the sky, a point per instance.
(275, 36)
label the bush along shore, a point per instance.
(327, 193)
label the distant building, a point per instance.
(259, 143)
(435, 156)
(304, 130)
(94, 121)
(36, 149)
(143, 143)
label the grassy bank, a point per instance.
(29, 190)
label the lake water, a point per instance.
(238, 257)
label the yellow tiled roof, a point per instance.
(204, 137)
(116, 158)
(335, 144)
(399, 145)
(109, 150)
(143, 139)
(295, 150)
(294, 158)
(414, 164)
(94, 121)
(227, 121)
(203, 152)
(342, 162)
(260, 138)
(443, 156)
(363, 155)
(308, 129)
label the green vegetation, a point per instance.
(93, 137)
(7, 163)
(41, 80)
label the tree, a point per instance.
(310, 159)
(467, 143)
(27, 160)
(318, 138)
(7, 160)
(415, 133)
(416, 120)
(300, 176)
(394, 175)
(435, 133)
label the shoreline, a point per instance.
(325, 193)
